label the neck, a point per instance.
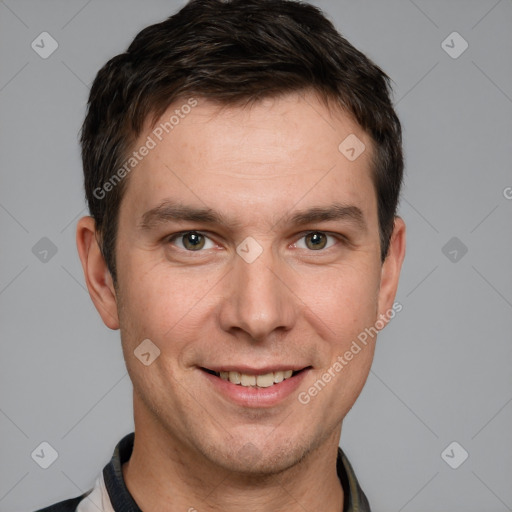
(164, 475)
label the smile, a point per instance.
(255, 380)
(261, 381)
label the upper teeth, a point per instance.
(262, 381)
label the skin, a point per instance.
(257, 166)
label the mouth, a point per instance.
(264, 379)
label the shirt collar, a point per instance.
(354, 499)
(122, 501)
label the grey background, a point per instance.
(442, 370)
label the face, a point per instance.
(248, 250)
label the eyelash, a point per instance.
(340, 238)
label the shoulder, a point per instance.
(64, 506)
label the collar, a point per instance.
(122, 501)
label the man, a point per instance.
(242, 167)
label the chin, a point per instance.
(250, 460)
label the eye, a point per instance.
(315, 241)
(191, 241)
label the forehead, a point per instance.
(270, 157)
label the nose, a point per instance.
(259, 300)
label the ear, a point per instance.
(390, 271)
(97, 276)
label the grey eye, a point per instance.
(191, 241)
(316, 240)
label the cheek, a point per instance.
(344, 299)
(163, 305)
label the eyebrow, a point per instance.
(336, 211)
(168, 211)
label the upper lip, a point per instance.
(250, 370)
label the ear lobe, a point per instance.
(390, 271)
(97, 276)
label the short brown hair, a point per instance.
(233, 52)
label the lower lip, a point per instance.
(254, 396)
